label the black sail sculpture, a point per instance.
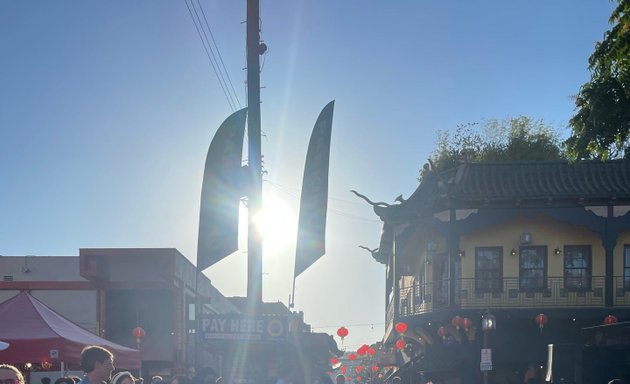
(224, 181)
(311, 237)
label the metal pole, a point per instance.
(485, 345)
(140, 367)
(254, 202)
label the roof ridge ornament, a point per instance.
(399, 199)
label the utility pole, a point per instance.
(254, 156)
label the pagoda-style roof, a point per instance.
(514, 185)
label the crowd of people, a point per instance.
(97, 364)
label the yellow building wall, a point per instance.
(544, 232)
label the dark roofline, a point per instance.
(515, 184)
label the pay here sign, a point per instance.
(240, 327)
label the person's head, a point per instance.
(157, 379)
(97, 361)
(181, 379)
(396, 380)
(10, 375)
(64, 380)
(76, 379)
(124, 377)
(340, 379)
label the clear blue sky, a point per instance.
(107, 109)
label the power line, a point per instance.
(346, 325)
(209, 52)
(295, 194)
(219, 54)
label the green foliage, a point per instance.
(512, 139)
(601, 124)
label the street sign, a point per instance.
(244, 328)
(486, 359)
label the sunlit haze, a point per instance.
(107, 110)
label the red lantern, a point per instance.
(359, 368)
(442, 332)
(46, 364)
(401, 327)
(375, 368)
(610, 319)
(541, 320)
(400, 344)
(352, 357)
(138, 333)
(334, 361)
(371, 351)
(457, 322)
(344, 369)
(467, 323)
(362, 350)
(359, 378)
(342, 332)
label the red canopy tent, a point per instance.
(36, 333)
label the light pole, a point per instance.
(139, 333)
(488, 323)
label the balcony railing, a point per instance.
(510, 293)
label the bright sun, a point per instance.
(276, 223)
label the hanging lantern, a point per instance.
(138, 333)
(352, 357)
(375, 368)
(46, 364)
(342, 332)
(466, 323)
(334, 361)
(401, 327)
(371, 351)
(359, 378)
(457, 322)
(362, 350)
(541, 320)
(359, 368)
(344, 369)
(400, 344)
(610, 319)
(442, 332)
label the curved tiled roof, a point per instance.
(511, 183)
(542, 180)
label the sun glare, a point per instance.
(276, 224)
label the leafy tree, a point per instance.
(601, 124)
(513, 139)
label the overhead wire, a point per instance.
(207, 42)
(219, 55)
(208, 49)
(295, 194)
